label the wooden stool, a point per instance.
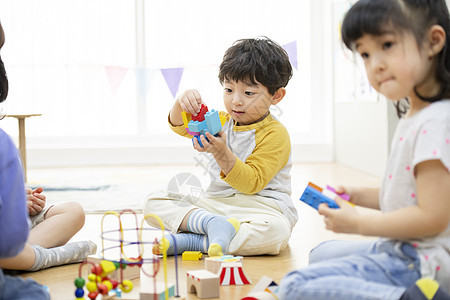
(22, 140)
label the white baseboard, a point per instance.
(60, 157)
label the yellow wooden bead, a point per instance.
(127, 286)
(91, 286)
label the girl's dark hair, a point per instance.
(416, 16)
(256, 60)
(3, 77)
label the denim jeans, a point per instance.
(17, 288)
(354, 270)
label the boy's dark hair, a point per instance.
(416, 16)
(257, 60)
(3, 77)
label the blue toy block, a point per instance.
(199, 140)
(313, 198)
(213, 122)
(196, 126)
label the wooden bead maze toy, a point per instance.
(100, 275)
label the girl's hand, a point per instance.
(35, 200)
(190, 101)
(342, 220)
(342, 190)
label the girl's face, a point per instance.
(395, 65)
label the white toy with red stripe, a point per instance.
(229, 268)
(232, 273)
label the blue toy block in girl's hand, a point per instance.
(313, 197)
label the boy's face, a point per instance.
(246, 103)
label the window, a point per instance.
(104, 73)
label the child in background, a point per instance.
(247, 209)
(13, 212)
(405, 48)
(51, 228)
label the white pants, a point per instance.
(264, 229)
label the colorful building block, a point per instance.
(201, 114)
(205, 121)
(192, 255)
(196, 126)
(213, 123)
(314, 197)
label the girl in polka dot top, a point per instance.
(405, 48)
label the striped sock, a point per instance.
(184, 242)
(219, 229)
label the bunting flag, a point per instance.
(144, 77)
(173, 78)
(115, 76)
(291, 50)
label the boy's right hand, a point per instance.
(190, 101)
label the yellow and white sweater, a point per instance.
(263, 152)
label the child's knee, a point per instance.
(76, 213)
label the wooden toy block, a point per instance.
(192, 255)
(204, 283)
(130, 272)
(148, 292)
(108, 267)
(232, 273)
(214, 263)
(266, 288)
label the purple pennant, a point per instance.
(291, 50)
(173, 78)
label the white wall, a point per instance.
(363, 132)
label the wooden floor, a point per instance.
(308, 232)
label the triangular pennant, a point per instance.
(115, 76)
(291, 50)
(173, 78)
(143, 79)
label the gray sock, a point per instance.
(67, 254)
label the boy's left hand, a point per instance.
(342, 220)
(212, 144)
(35, 200)
(217, 146)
